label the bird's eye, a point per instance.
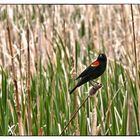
(101, 55)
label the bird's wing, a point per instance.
(89, 69)
(84, 73)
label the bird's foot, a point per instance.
(91, 82)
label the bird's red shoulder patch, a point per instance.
(95, 63)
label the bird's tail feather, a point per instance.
(71, 91)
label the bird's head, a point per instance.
(102, 57)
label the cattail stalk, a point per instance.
(92, 92)
(136, 66)
(18, 108)
(94, 118)
(28, 86)
(75, 95)
(129, 116)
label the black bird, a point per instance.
(93, 71)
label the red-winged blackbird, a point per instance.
(93, 71)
